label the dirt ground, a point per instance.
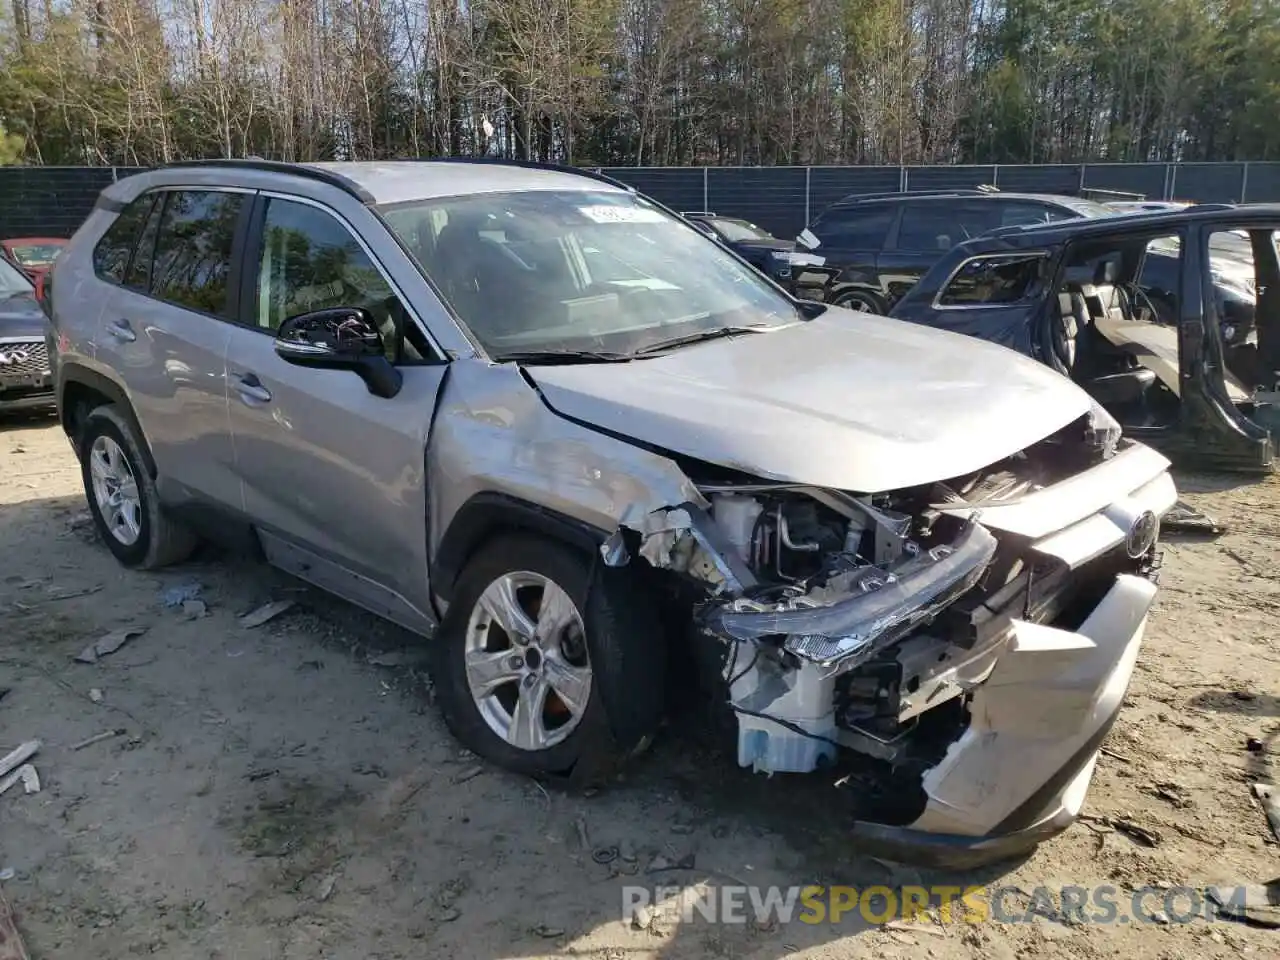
(279, 792)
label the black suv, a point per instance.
(868, 250)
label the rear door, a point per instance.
(927, 230)
(164, 333)
(333, 476)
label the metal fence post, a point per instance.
(1244, 182)
(114, 178)
(808, 193)
(1170, 180)
(706, 190)
(995, 175)
(903, 182)
(1082, 168)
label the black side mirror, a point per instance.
(340, 338)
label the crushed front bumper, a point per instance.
(1019, 773)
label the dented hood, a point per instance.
(849, 400)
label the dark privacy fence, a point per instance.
(54, 200)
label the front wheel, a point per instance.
(545, 664)
(861, 301)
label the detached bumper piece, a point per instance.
(1027, 758)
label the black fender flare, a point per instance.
(486, 514)
(74, 373)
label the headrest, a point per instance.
(1106, 271)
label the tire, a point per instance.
(625, 653)
(862, 302)
(142, 536)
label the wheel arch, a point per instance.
(81, 389)
(487, 515)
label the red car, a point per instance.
(33, 256)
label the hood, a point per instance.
(849, 400)
(770, 243)
(21, 316)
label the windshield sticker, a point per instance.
(609, 213)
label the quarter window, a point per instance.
(112, 252)
(310, 261)
(193, 249)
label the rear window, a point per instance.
(994, 281)
(193, 249)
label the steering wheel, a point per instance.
(1136, 292)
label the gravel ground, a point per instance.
(288, 791)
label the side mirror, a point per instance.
(340, 338)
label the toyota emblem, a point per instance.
(14, 356)
(1142, 534)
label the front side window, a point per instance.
(310, 261)
(580, 271)
(994, 281)
(193, 249)
(112, 252)
(856, 228)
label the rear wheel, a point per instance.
(545, 664)
(861, 301)
(122, 495)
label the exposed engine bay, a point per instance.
(866, 624)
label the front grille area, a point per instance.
(1026, 586)
(21, 362)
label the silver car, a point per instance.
(541, 419)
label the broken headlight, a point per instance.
(1103, 430)
(855, 614)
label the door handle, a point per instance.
(251, 389)
(122, 331)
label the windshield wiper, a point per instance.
(561, 356)
(699, 337)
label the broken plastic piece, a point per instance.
(109, 644)
(851, 625)
(265, 613)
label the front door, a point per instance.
(333, 475)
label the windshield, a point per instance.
(603, 272)
(738, 230)
(12, 280)
(36, 254)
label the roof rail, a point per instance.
(590, 173)
(345, 184)
(697, 213)
(891, 194)
(1095, 193)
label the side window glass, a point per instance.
(928, 226)
(310, 261)
(858, 228)
(1021, 214)
(112, 252)
(993, 281)
(193, 249)
(138, 274)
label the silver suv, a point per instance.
(545, 421)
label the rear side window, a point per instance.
(859, 228)
(193, 249)
(993, 281)
(929, 226)
(111, 255)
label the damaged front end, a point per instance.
(958, 651)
